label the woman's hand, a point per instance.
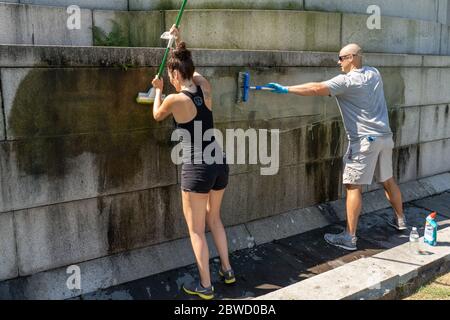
(174, 31)
(158, 83)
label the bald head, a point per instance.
(352, 57)
(351, 48)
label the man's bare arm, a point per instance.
(310, 89)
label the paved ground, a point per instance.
(271, 266)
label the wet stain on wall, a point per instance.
(397, 118)
(322, 181)
(141, 219)
(324, 140)
(59, 114)
(402, 158)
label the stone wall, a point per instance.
(86, 172)
(241, 28)
(86, 175)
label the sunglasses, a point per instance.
(342, 58)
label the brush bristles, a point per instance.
(145, 100)
(243, 87)
(146, 97)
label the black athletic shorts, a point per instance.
(202, 178)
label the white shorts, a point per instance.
(366, 157)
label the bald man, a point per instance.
(360, 97)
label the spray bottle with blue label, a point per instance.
(431, 226)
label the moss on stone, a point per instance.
(115, 38)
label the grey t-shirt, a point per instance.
(360, 98)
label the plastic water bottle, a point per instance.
(414, 241)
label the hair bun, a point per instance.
(181, 52)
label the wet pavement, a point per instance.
(271, 266)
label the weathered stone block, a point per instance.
(405, 163)
(2, 118)
(8, 261)
(55, 236)
(236, 199)
(89, 4)
(44, 171)
(143, 218)
(320, 31)
(53, 102)
(416, 86)
(319, 182)
(413, 9)
(434, 122)
(433, 158)
(251, 196)
(264, 105)
(445, 40)
(128, 29)
(298, 142)
(63, 234)
(444, 12)
(405, 123)
(396, 35)
(38, 25)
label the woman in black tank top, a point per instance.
(204, 176)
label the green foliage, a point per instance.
(116, 38)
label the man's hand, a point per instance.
(278, 88)
(158, 83)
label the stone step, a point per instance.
(227, 29)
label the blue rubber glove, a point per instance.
(278, 88)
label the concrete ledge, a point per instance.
(64, 56)
(116, 269)
(439, 183)
(370, 278)
(286, 225)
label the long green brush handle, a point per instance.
(166, 54)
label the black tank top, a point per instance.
(204, 119)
